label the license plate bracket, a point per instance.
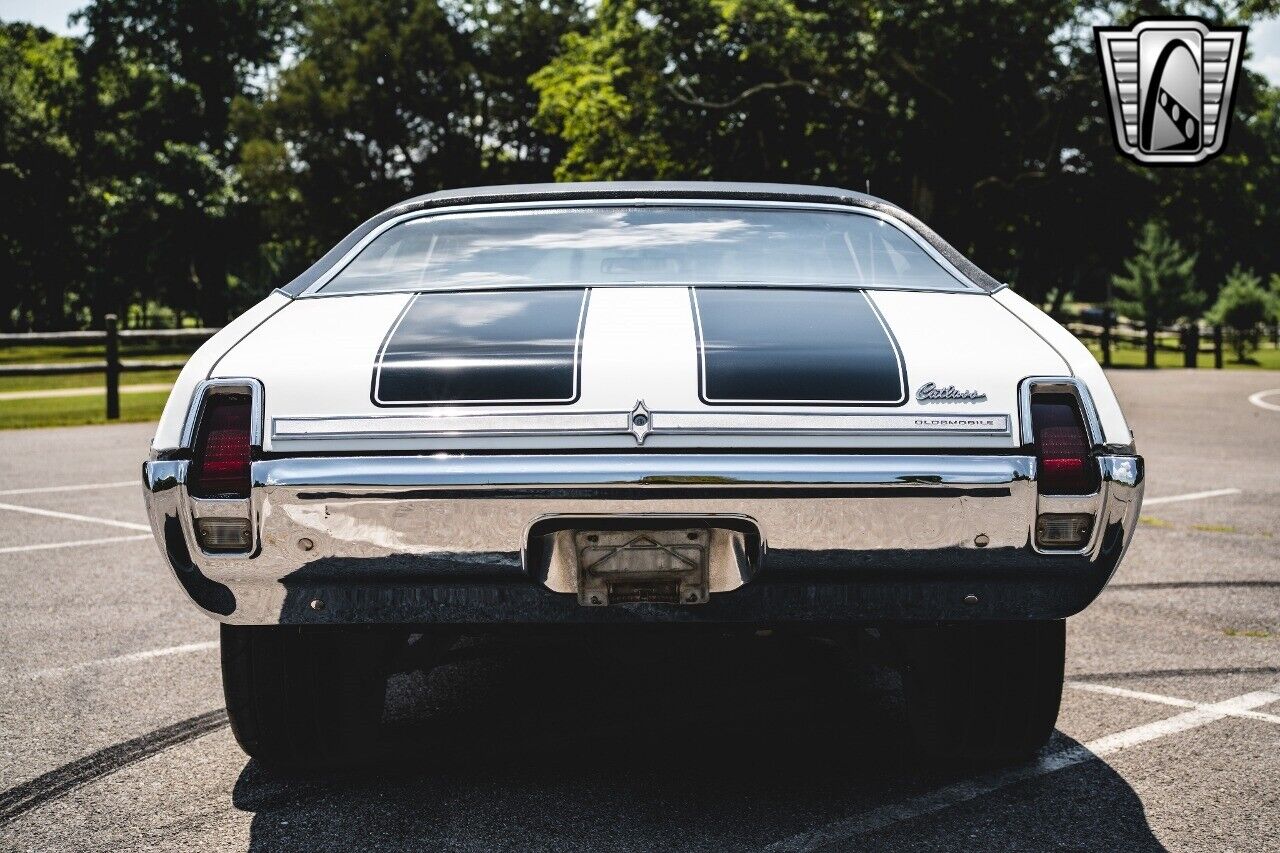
(629, 566)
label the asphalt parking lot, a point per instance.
(112, 734)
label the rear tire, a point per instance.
(983, 693)
(302, 699)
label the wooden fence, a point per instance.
(112, 365)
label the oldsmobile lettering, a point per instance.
(929, 392)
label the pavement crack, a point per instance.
(59, 782)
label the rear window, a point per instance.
(649, 245)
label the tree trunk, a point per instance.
(1151, 344)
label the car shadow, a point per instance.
(693, 742)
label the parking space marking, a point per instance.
(71, 516)
(1257, 400)
(82, 487)
(75, 543)
(129, 658)
(966, 790)
(1175, 701)
(1190, 496)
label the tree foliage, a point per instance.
(1159, 283)
(1243, 306)
(196, 153)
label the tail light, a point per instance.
(1062, 446)
(220, 468)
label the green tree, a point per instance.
(1008, 152)
(1158, 284)
(159, 80)
(1243, 306)
(40, 241)
(388, 99)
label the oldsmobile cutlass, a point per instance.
(601, 405)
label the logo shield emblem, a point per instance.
(1170, 84)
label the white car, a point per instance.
(603, 405)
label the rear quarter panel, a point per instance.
(1083, 365)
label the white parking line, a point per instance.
(83, 487)
(1257, 400)
(71, 516)
(131, 658)
(1190, 496)
(970, 789)
(1175, 701)
(45, 546)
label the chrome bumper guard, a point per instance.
(456, 539)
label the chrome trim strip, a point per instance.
(676, 470)
(215, 386)
(964, 285)
(539, 423)
(765, 423)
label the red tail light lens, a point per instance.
(220, 468)
(1062, 446)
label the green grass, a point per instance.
(83, 380)
(71, 411)
(1126, 355)
(53, 354)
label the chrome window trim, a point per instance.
(315, 290)
(207, 387)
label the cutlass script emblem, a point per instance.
(930, 392)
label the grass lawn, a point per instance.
(51, 354)
(90, 408)
(83, 380)
(70, 411)
(1266, 358)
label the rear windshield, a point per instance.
(651, 245)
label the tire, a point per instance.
(982, 693)
(304, 699)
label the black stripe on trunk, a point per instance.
(483, 348)
(795, 346)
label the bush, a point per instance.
(1243, 306)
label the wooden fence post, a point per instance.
(1105, 339)
(1217, 347)
(113, 368)
(1190, 344)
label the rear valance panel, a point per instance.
(497, 347)
(790, 346)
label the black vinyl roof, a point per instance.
(674, 190)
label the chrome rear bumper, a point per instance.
(446, 538)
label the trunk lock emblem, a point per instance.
(640, 421)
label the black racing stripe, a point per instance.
(483, 347)
(795, 346)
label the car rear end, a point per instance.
(736, 411)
